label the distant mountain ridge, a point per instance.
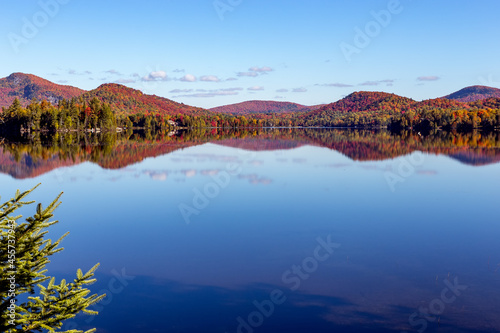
(27, 86)
(474, 93)
(256, 106)
(125, 100)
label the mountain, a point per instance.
(474, 93)
(27, 86)
(250, 107)
(125, 100)
(364, 101)
(122, 99)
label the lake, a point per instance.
(282, 230)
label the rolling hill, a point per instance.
(125, 100)
(363, 101)
(27, 86)
(250, 107)
(474, 93)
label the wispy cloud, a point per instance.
(250, 74)
(255, 71)
(202, 93)
(299, 90)
(256, 88)
(428, 78)
(178, 91)
(188, 78)
(62, 81)
(112, 72)
(156, 76)
(388, 82)
(231, 79)
(282, 90)
(124, 81)
(370, 83)
(264, 69)
(209, 78)
(177, 70)
(337, 85)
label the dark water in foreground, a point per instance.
(289, 231)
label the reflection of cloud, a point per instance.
(256, 163)
(209, 172)
(157, 175)
(255, 179)
(189, 173)
(181, 160)
(427, 172)
(215, 157)
(299, 160)
(337, 165)
(369, 167)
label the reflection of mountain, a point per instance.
(472, 157)
(32, 159)
(23, 165)
(261, 144)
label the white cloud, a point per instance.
(202, 93)
(337, 85)
(428, 78)
(156, 76)
(209, 78)
(261, 69)
(256, 88)
(112, 71)
(250, 74)
(124, 81)
(369, 83)
(188, 78)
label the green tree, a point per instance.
(30, 301)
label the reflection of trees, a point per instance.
(30, 156)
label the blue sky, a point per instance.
(208, 53)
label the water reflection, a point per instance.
(268, 196)
(36, 155)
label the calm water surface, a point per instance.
(249, 235)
